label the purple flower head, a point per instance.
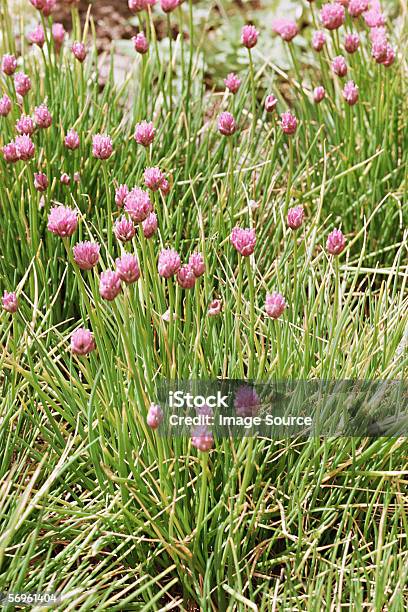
(65, 179)
(138, 205)
(351, 42)
(336, 242)
(25, 147)
(153, 178)
(102, 146)
(154, 416)
(5, 106)
(249, 36)
(274, 305)
(37, 36)
(288, 123)
(140, 5)
(169, 5)
(109, 285)
(22, 83)
(25, 125)
(72, 140)
(214, 308)
(374, 18)
(226, 124)
(186, 277)
(10, 302)
(319, 93)
(82, 342)
(79, 51)
(8, 64)
(246, 401)
(243, 240)
(169, 263)
(390, 57)
(120, 195)
(202, 439)
(42, 116)
(86, 254)
(357, 7)
(141, 43)
(10, 152)
(270, 103)
(62, 221)
(58, 35)
(318, 40)
(232, 82)
(124, 229)
(286, 28)
(38, 4)
(144, 133)
(196, 260)
(350, 93)
(165, 186)
(296, 216)
(332, 15)
(40, 182)
(149, 225)
(339, 66)
(127, 267)
(49, 6)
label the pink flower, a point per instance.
(296, 216)
(390, 57)
(350, 93)
(10, 152)
(25, 125)
(102, 146)
(226, 124)
(243, 240)
(120, 195)
(319, 93)
(138, 205)
(154, 416)
(86, 254)
(202, 439)
(65, 179)
(22, 83)
(140, 5)
(232, 82)
(5, 106)
(153, 178)
(25, 147)
(339, 66)
(124, 229)
(169, 5)
(249, 36)
(274, 305)
(286, 28)
(246, 401)
(144, 133)
(357, 7)
(10, 302)
(318, 40)
(270, 103)
(141, 43)
(288, 123)
(42, 116)
(351, 42)
(332, 15)
(79, 51)
(82, 342)
(38, 4)
(49, 6)
(127, 267)
(72, 140)
(196, 261)
(214, 308)
(374, 18)
(186, 277)
(37, 36)
(40, 182)
(169, 263)
(149, 225)
(62, 221)
(8, 64)
(165, 187)
(336, 242)
(109, 285)
(58, 34)
(77, 177)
